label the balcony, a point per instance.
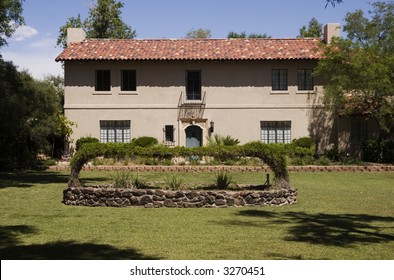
(191, 105)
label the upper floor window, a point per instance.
(129, 80)
(305, 79)
(279, 79)
(103, 80)
(193, 85)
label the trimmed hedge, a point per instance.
(274, 155)
(144, 141)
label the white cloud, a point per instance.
(23, 32)
(38, 65)
(45, 43)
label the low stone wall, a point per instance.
(204, 168)
(150, 198)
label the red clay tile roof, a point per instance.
(192, 49)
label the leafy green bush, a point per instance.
(323, 160)
(388, 151)
(84, 140)
(301, 161)
(378, 150)
(144, 141)
(303, 142)
(335, 154)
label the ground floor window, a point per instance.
(115, 131)
(276, 131)
(169, 135)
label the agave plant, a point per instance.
(173, 182)
(223, 179)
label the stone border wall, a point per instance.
(149, 198)
(203, 168)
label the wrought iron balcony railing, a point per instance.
(191, 105)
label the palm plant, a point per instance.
(220, 140)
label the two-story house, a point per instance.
(183, 90)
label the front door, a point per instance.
(193, 136)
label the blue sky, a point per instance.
(33, 47)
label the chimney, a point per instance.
(331, 30)
(75, 35)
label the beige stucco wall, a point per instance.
(238, 97)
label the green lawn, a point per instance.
(338, 216)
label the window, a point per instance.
(193, 85)
(279, 79)
(358, 130)
(276, 131)
(103, 80)
(129, 80)
(305, 79)
(169, 135)
(115, 131)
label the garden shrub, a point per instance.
(322, 160)
(388, 151)
(303, 142)
(378, 150)
(301, 149)
(334, 154)
(83, 140)
(145, 141)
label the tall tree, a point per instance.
(333, 2)
(198, 33)
(244, 35)
(72, 22)
(314, 29)
(10, 18)
(104, 21)
(31, 116)
(359, 69)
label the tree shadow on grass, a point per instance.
(11, 249)
(341, 230)
(27, 179)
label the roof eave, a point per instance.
(60, 59)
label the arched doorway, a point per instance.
(193, 136)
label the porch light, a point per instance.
(212, 126)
